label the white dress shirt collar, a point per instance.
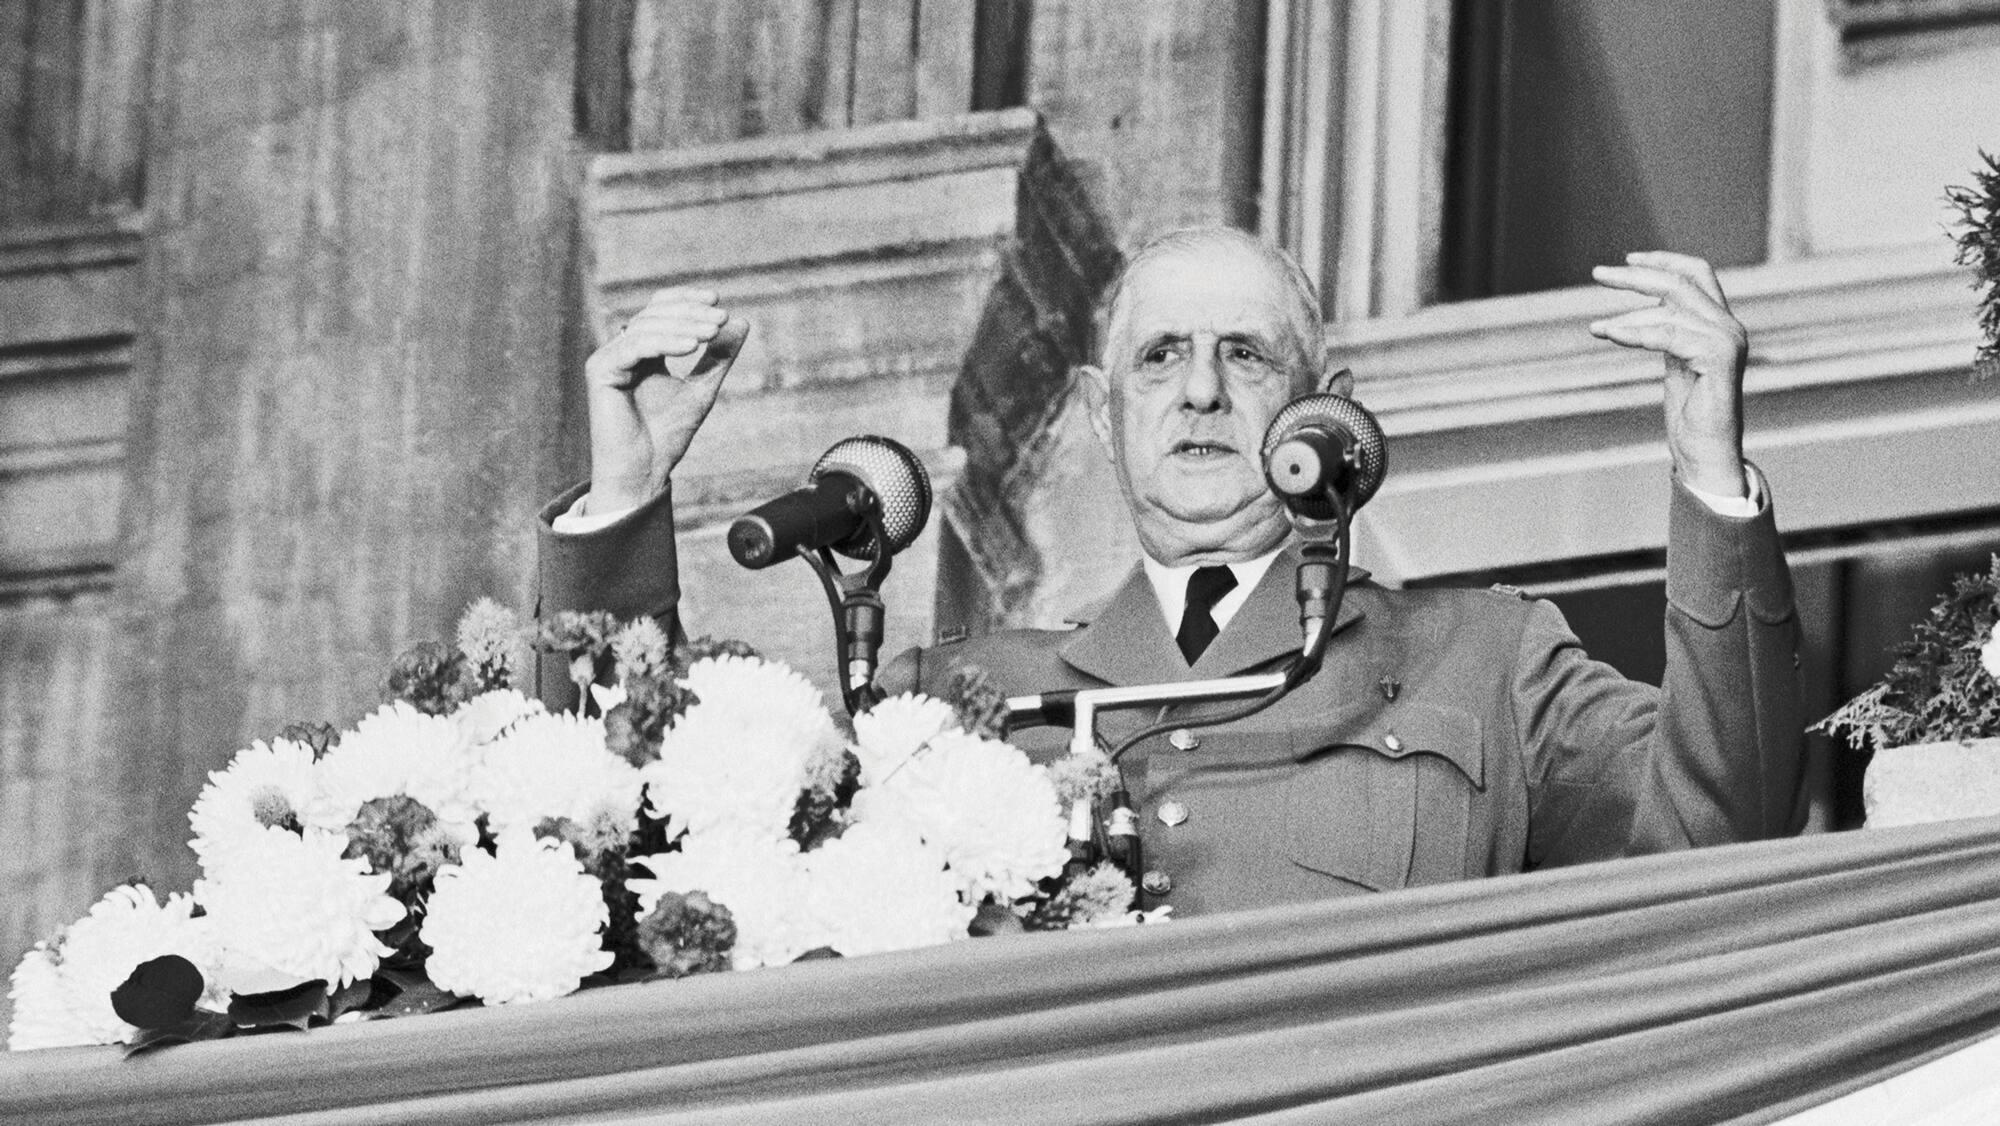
(1170, 587)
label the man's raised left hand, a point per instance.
(1705, 348)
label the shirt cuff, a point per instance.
(577, 522)
(1739, 507)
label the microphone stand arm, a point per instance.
(859, 617)
(1086, 703)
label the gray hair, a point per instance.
(1194, 239)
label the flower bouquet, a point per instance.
(461, 844)
(1934, 720)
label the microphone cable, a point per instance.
(1297, 672)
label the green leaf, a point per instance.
(358, 995)
(402, 977)
(995, 918)
(296, 1007)
(417, 996)
(399, 939)
(201, 1025)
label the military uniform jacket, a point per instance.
(1449, 734)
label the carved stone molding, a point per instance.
(1865, 19)
(1517, 438)
(65, 361)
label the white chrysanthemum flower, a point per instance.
(43, 1014)
(739, 757)
(992, 814)
(553, 765)
(62, 994)
(760, 879)
(525, 924)
(887, 734)
(397, 749)
(877, 887)
(486, 716)
(1989, 654)
(265, 784)
(299, 909)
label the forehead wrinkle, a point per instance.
(1282, 349)
(1301, 318)
(1250, 336)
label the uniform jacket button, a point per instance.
(1171, 813)
(1156, 882)
(1183, 740)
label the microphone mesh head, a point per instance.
(1357, 428)
(896, 478)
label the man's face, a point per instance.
(1205, 346)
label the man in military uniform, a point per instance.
(1450, 734)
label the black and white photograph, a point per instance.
(1000, 561)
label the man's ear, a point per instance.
(1340, 382)
(1097, 396)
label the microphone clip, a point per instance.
(1321, 580)
(859, 615)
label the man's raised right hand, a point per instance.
(649, 388)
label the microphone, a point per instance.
(1324, 441)
(831, 509)
(1324, 455)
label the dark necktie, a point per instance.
(1205, 588)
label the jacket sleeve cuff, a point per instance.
(1716, 563)
(628, 567)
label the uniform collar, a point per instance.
(1127, 640)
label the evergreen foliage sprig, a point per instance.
(1939, 689)
(1977, 234)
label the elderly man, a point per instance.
(1450, 733)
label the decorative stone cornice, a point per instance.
(62, 284)
(70, 293)
(1517, 438)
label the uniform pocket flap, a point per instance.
(1404, 729)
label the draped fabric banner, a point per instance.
(1735, 984)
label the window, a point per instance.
(1581, 129)
(72, 109)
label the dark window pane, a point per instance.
(1582, 129)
